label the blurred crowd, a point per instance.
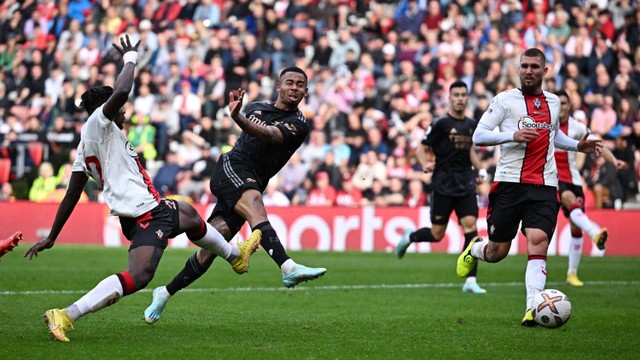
(379, 73)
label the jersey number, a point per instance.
(93, 164)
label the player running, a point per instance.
(447, 150)
(571, 194)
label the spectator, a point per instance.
(292, 175)
(274, 197)
(349, 195)
(188, 105)
(169, 175)
(44, 184)
(322, 194)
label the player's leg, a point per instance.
(441, 208)
(575, 199)
(206, 236)
(466, 209)
(251, 208)
(197, 264)
(538, 221)
(570, 202)
(503, 219)
(143, 261)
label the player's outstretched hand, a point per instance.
(125, 45)
(39, 246)
(589, 146)
(235, 102)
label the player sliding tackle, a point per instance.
(147, 220)
(271, 133)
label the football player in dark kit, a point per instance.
(271, 133)
(447, 150)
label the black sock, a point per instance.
(191, 271)
(467, 239)
(271, 243)
(422, 235)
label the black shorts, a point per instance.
(509, 203)
(228, 182)
(576, 190)
(442, 206)
(155, 227)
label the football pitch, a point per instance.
(367, 306)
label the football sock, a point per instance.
(107, 292)
(535, 276)
(209, 238)
(271, 243)
(191, 271)
(422, 235)
(582, 221)
(287, 266)
(575, 253)
(478, 250)
(467, 239)
(470, 280)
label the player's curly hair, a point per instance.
(94, 97)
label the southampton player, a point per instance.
(526, 180)
(447, 150)
(147, 220)
(571, 195)
(271, 133)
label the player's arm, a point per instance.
(492, 117)
(426, 157)
(265, 133)
(585, 145)
(608, 155)
(76, 187)
(477, 164)
(124, 82)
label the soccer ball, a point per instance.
(552, 308)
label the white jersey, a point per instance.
(533, 162)
(566, 160)
(105, 154)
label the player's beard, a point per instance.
(534, 89)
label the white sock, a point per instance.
(287, 266)
(470, 280)
(107, 292)
(582, 221)
(535, 279)
(216, 243)
(164, 293)
(477, 250)
(575, 253)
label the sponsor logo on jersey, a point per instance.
(527, 121)
(250, 180)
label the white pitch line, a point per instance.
(335, 287)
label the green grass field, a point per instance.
(368, 306)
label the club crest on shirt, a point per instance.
(160, 234)
(130, 150)
(537, 103)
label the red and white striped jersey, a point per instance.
(533, 162)
(566, 160)
(105, 155)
